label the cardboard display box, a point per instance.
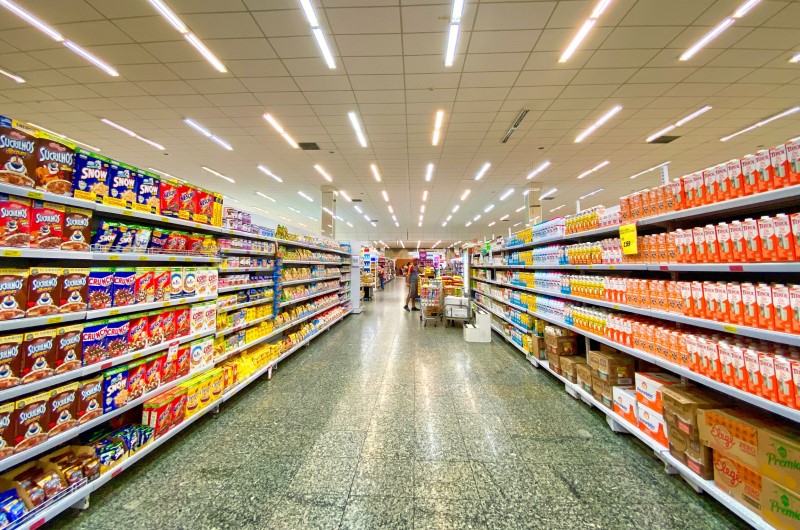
(681, 404)
(625, 403)
(738, 480)
(597, 388)
(569, 364)
(648, 388)
(731, 432)
(583, 376)
(780, 507)
(616, 368)
(652, 424)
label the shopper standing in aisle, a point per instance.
(412, 278)
(382, 275)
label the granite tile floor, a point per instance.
(381, 423)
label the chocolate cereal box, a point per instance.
(44, 295)
(38, 355)
(73, 290)
(15, 216)
(69, 347)
(90, 181)
(55, 164)
(31, 420)
(10, 360)
(17, 153)
(6, 430)
(47, 225)
(77, 229)
(63, 409)
(147, 193)
(90, 397)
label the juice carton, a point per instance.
(782, 307)
(712, 245)
(739, 371)
(698, 301)
(769, 384)
(784, 240)
(752, 240)
(700, 249)
(749, 305)
(793, 160)
(710, 186)
(794, 308)
(785, 390)
(794, 221)
(749, 175)
(766, 311)
(764, 172)
(769, 240)
(753, 371)
(738, 252)
(725, 253)
(734, 169)
(735, 305)
(678, 189)
(723, 182)
(779, 165)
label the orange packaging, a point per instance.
(725, 251)
(782, 308)
(693, 353)
(700, 250)
(785, 390)
(784, 240)
(752, 241)
(710, 188)
(779, 164)
(737, 242)
(709, 355)
(662, 255)
(648, 208)
(672, 250)
(738, 480)
(731, 432)
(678, 192)
(769, 384)
(652, 424)
(635, 201)
(685, 291)
(624, 209)
(749, 305)
(734, 170)
(764, 172)
(712, 245)
(796, 382)
(753, 371)
(723, 182)
(723, 304)
(680, 248)
(625, 402)
(766, 310)
(648, 389)
(749, 175)
(726, 362)
(769, 241)
(739, 371)
(794, 308)
(793, 160)
(794, 221)
(733, 291)
(667, 198)
(709, 301)
(698, 302)
(657, 205)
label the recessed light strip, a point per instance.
(429, 172)
(795, 58)
(202, 130)
(649, 170)
(719, 29)
(277, 126)
(595, 168)
(220, 175)
(557, 208)
(132, 134)
(198, 45)
(679, 123)
(479, 175)
(762, 123)
(544, 165)
(268, 172)
(548, 193)
(306, 197)
(452, 32)
(587, 26)
(319, 35)
(465, 195)
(265, 196)
(599, 123)
(507, 194)
(375, 172)
(73, 140)
(437, 127)
(357, 127)
(595, 192)
(322, 172)
(15, 77)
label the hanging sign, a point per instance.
(628, 238)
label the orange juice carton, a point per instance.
(733, 291)
(794, 221)
(625, 403)
(738, 480)
(780, 506)
(769, 240)
(624, 209)
(753, 370)
(661, 200)
(732, 432)
(701, 252)
(678, 190)
(764, 172)
(782, 308)
(752, 241)
(793, 159)
(749, 305)
(672, 250)
(712, 245)
(635, 201)
(698, 301)
(648, 388)
(738, 251)
(680, 248)
(723, 304)
(723, 182)
(766, 310)
(750, 175)
(769, 382)
(786, 390)
(652, 424)
(779, 164)
(646, 203)
(710, 300)
(734, 169)
(710, 186)
(794, 306)
(698, 189)
(724, 243)
(784, 240)
(709, 355)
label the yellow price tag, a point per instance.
(144, 258)
(113, 257)
(12, 253)
(127, 212)
(187, 259)
(173, 258)
(729, 328)
(35, 195)
(55, 320)
(628, 238)
(113, 312)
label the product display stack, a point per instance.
(678, 316)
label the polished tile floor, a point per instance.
(384, 424)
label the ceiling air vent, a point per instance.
(550, 198)
(357, 200)
(665, 139)
(309, 146)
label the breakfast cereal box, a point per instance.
(122, 185)
(77, 231)
(55, 164)
(147, 193)
(186, 201)
(47, 225)
(17, 153)
(31, 420)
(203, 206)
(115, 388)
(90, 182)
(69, 345)
(169, 198)
(15, 214)
(63, 409)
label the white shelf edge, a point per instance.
(27, 323)
(503, 317)
(233, 288)
(243, 326)
(245, 269)
(309, 297)
(134, 308)
(307, 280)
(244, 304)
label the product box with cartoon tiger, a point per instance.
(17, 152)
(15, 221)
(31, 420)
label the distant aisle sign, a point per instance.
(628, 238)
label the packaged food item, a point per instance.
(47, 225)
(203, 207)
(123, 242)
(137, 379)
(38, 355)
(64, 409)
(90, 398)
(55, 164)
(143, 289)
(7, 441)
(139, 332)
(69, 347)
(117, 330)
(189, 281)
(13, 293)
(147, 193)
(734, 169)
(158, 240)
(141, 240)
(90, 182)
(178, 405)
(104, 236)
(43, 293)
(122, 185)
(170, 202)
(176, 283)
(73, 290)
(749, 175)
(752, 240)
(101, 287)
(183, 361)
(115, 388)
(176, 243)
(123, 287)
(156, 324)
(31, 419)
(17, 153)
(793, 160)
(154, 371)
(94, 342)
(162, 278)
(764, 172)
(10, 360)
(15, 215)
(168, 324)
(186, 200)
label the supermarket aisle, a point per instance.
(383, 424)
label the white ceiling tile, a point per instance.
(659, 13)
(206, 6)
(270, 84)
(148, 28)
(380, 96)
(258, 68)
(172, 51)
(366, 45)
(364, 20)
(147, 72)
(506, 16)
(488, 79)
(661, 75)
(193, 69)
(503, 41)
(538, 92)
(789, 17)
(494, 62)
(286, 23)
(225, 25)
(632, 37)
(603, 76)
(545, 77)
(743, 58)
(770, 39)
(376, 82)
(620, 58)
(373, 65)
(253, 48)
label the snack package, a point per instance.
(168, 324)
(104, 236)
(155, 322)
(117, 330)
(55, 164)
(176, 283)
(124, 287)
(44, 296)
(162, 278)
(137, 379)
(90, 182)
(15, 216)
(182, 321)
(147, 193)
(90, 397)
(141, 240)
(168, 192)
(121, 185)
(124, 240)
(154, 371)
(17, 153)
(77, 229)
(6, 430)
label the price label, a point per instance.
(12, 253)
(55, 320)
(166, 304)
(166, 219)
(173, 258)
(612, 267)
(113, 258)
(144, 258)
(137, 355)
(35, 195)
(127, 212)
(730, 328)
(113, 312)
(187, 259)
(628, 238)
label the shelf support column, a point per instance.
(532, 203)
(328, 213)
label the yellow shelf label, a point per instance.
(628, 238)
(144, 258)
(55, 320)
(35, 195)
(730, 328)
(113, 258)
(173, 258)
(127, 212)
(113, 312)
(12, 253)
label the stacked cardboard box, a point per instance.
(650, 403)
(559, 342)
(625, 403)
(569, 366)
(609, 369)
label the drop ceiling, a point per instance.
(390, 71)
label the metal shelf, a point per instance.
(225, 270)
(244, 304)
(243, 326)
(136, 256)
(309, 297)
(508, 340)
(232, 288)
(792, 267)
(27, 323)
(40, 253)
(246, 252)
(503, 317)
(310, 246)
(133, 308)
(308, 262)
(307, 280)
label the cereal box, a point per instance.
(101, 287)
(182, 321)
(55, 164)
(17, 153)
(178, 405)
(77, 232)
(197, 317)
(156, 324)
(186, 201)
(10, 360)
(43, 292)
(203, 206)
(13, 293)
(104, 236)
(170, 368)
(63, 409)
(124, 285)
(189, 281)
(38, 355)
(137, 379)
(124, 238)
(168, 324)
(122, 185)
(143, 289)
(162, 278)
(196, 355)
(139, 332)
(157, 413)
(117, 331)
(90, 182)
(170, 201)
(176, 283)
(183, 361)
(154, 371)
(147, 193)
(15, 214)
(73, 290)
(115, 388)
(94, 342)
(69, 346)
(90, 397)
(31, 420)
(6, 430)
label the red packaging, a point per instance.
(194, 243)
(170, 368)
(785, 390)
(178, 406)
(698, 301)
(168, 324)
(710, 299)
(739, 371)
(143, 286)
(752, 241)
(182, 323)
(168, 193)
(782, 307)
(724, 243)
(139, 332)
(735, 306)
(784, 239)
(726, 362)
(712, 245)
(753, 371)
(765, 179)
(15, 215)
(723, 182)
(154, 371)
(711, 189)
(793, 157)
(183, 361)
(47, 225)
(203, 206)
(796, 382)
(186, 201)
(155, 321)
(162, 280)
(769, 241)
(779, 164)
(137, 379)
(734, 170)
(749, 175)
(794, 304)
(749, 305)
(677, 187)
(765, 310)
(157, 413)
(769, 384)
(737, 242)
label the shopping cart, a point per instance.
(430, 295)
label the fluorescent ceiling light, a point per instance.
(397, 224)
(277, 126)
(202, 130)
(394, 218)
(424, 195)
(599, 8)
(366, 217)
(506, 216)
(761, 123)
(465, 194)
(32, 20)
(507, 194)
(444, 224)
(595, 192)
(132, 134)
(268, 172)
(357, 127)
(708, 37)
(402, 244)
(220, 175)
(476, 217)
(679, 123)
(73, 140)
(421, 217)
(468, 223)
(437, 127)
(295, 210)
(745, 8)
(312, 218)
(576, 41)
(516, 225)
(449, 217)
(660, 133)
(316, 29)
(548, 193)
(346, 196)
(385, 196)
(391, 210)
(795, 58)
(544, 165)
(599, 123)
(15, 77)
(649, 170)
(418, 242)
(525, 193)
(91, 58)
(357, 209)
(306, 197)
(327, 211)
(437, 243)
(557, 208)
(519, 209)
(595, 168)
(488, 208)
(260, 210)
(171, 17)
(429, 171)
(375, 172)
(154, 170)
(422, 209)
(178, 24)
(452, 41)
(308, 9)
(493, 223)
(322, 172)
(455, 208)
(483, 171)
(231, 199)
(349, 224)
(265, 196)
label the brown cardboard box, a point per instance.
(732, 432)
(738, 480)
(597, 388)
(553, 360)
(568, 366)
(593, 359)
(779, 456)
(537, 348)
(608, 395)
(780, 507)
(608, 349)
(615, 368)
(681, 404)
(700, 459)
(678, 442)
(561, 345)
(583, 375)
